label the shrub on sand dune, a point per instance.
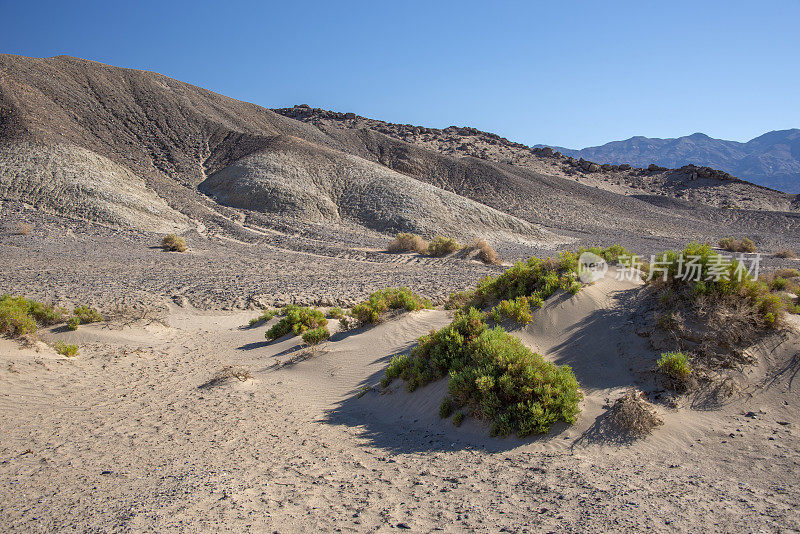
(297, 320)
(634, 415)
(371, 310)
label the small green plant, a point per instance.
(442, 246)
(173, 243)
(446, 408)
(73, 323)
(787, 273)
(66, 350)
(266, 316)
(675, 365)
(298, 320)
(405, 242)
(458, 418)
(778, 284)
(371, 310)
(316, 336)
(336, 313)
(87, 315)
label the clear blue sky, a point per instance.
(570, 73)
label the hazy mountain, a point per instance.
(772, 159)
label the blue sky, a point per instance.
(570, 73)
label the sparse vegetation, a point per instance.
(265, 316)
(492, 375)
(15, 317)
(787, 273)
(734, 245)
(405, 242)
(66, 350)
(336, 313)
(87, 315)
(73, 323)
(458, 418)
(442, 246)
(634, 415)
(371, 310)
(173, 243)
(226, 374)
(446, 408)
(785, 253)
(485, 252)
(316, 336)
(298, 320)
(675, 365)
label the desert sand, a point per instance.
(134, 434)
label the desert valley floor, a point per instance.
(135, 433)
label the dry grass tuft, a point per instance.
(486, 253)
(405, 242)
(442, 246)
(734, 245)
(226, 374)
(633, 414)
(785, 253)
(23, 228)
(173, 243)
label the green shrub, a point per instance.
(459, 299)
(493, 375)
(47, 314)
(336, 313)
(73, 323)
(316, 335)
(371, 310)
(458, 418)
(446, 408)
(297, 320)
(87, 315)
(15, 317)
(66, 350)
(173, 243)
(612, 254)
(787, 273)
(518, 309)
(404, 242)
(778, 284)
(266, 316)
(675, 365)
(442, 246)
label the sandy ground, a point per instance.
(129, 436)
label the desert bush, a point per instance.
(442, 246)
(675, 365)
(336, 313)
(518, 309)
(371, 310)
(459, 299)
(785, 253)
(316, 335)
(532, 277)
(493, 375)
(66, 350)
(405, 242)
(226, 374)
(265, 316)
(23, 228)
(778, 284)
(87, 315)
(173, 243)
(15, 317)
(786, 273)
(73, 323)
(47, 314)
(734, 245)
(634, 415)
(458, 418)
(446, 408)
(298, 320)
(485, 252)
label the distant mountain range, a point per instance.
(772, 159)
